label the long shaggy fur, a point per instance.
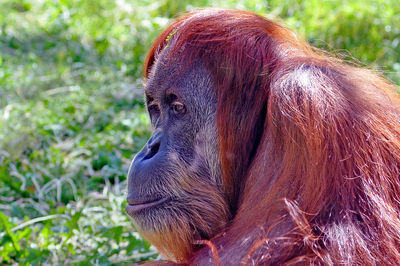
(309, 146)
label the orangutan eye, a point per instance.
(154, 112)
(178, 108)
(153, 108)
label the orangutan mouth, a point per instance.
(134, 207)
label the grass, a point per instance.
(72, 115)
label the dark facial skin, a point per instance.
(174, 179)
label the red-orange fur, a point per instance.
(309, 145)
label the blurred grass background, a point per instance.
(72, 115)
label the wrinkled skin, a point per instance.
(174, 180)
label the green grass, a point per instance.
(72, 115)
